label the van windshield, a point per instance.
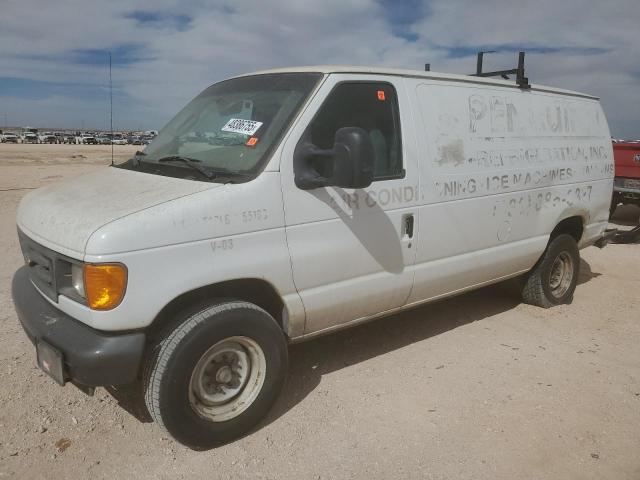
(230, 128)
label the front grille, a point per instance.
(42, 270)
(49, 270)
(46, 267)
(41, 262)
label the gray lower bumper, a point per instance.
(91, 357)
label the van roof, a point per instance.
(418, 74)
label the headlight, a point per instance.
(77, 279)
(104, 285)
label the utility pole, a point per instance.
(111, 107)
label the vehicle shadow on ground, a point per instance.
(309, 361)
(131, 399)
(586, 273)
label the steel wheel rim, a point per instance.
(561, 274)
(227, 379)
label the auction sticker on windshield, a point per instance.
(239, 125)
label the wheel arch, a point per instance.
(254, 290)
(573, 225)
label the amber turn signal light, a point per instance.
(104, 284)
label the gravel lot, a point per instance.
(479, 386)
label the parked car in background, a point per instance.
(88, 139)
(103, 140)
(69, 138)
(30, 137)
(119, 140)
(8, 137)
(626, 185)
(135, 140)
(47, 137)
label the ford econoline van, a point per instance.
(286, 204)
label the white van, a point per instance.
(286, 204)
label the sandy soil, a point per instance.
(35, 154)
(479, 386)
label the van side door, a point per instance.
(352, 250)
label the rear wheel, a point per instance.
(552, 281)
(217, 374)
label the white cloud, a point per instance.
(225, 38)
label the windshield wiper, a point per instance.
(190, 162)
(208, 170)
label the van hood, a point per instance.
(62, 216)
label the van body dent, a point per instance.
(348, 194)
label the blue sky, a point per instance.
(55, 63)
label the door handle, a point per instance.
(407, 225)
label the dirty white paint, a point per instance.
(62, 216)
(490, 171)
(503, 169)
(349, 256)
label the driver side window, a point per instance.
(372, 107)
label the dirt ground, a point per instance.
(475, 387)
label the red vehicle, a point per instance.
(626, 186)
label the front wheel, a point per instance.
(217, 374)
(553, 280)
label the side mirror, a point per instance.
(349, 164)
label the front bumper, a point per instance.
(91, 358)
(627, 191)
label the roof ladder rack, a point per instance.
(521, 80)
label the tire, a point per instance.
(552, 281)
(185, 390)
(614, 205)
